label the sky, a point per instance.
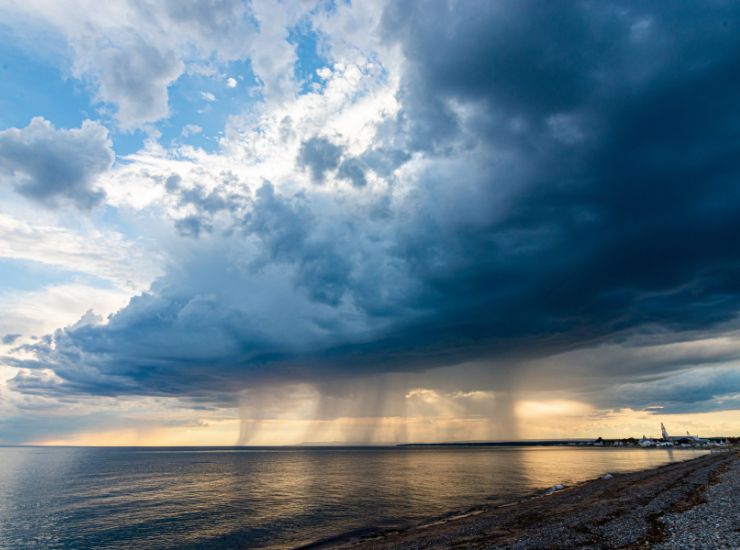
(227, 222)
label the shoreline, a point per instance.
(615, 510)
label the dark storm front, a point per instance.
(261, 498)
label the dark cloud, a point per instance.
(352, 169)
(211, 202)
(286, 230)
(204, 206)
(690, 391)
(320, 156)
(622, 212)
(53, 166)
(192, 226)
(172, 183)
(385, 160)
(10, 339)
(577, 182)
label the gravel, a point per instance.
(714, 524)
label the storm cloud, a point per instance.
(319, 155)
(558, 177)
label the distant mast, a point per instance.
(666, 437)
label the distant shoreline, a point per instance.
(523, 443)
(629, 442)
(581, 443)
(620, 510)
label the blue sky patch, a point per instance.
(200, 105)
(309, 56)
(31, 87)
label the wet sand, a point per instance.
(634, 510)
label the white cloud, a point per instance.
(135, 77)
(272, 55)
(103, 254)
(191, 130)
(324, 73)
(132, 51)
(208, 96)
(42, 311)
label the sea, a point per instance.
(75, 497)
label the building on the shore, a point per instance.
(666, 441)
(688, 438)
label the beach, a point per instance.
(691, 504)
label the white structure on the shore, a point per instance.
(645, 442)
(667, 437)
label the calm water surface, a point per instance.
(267, 498)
